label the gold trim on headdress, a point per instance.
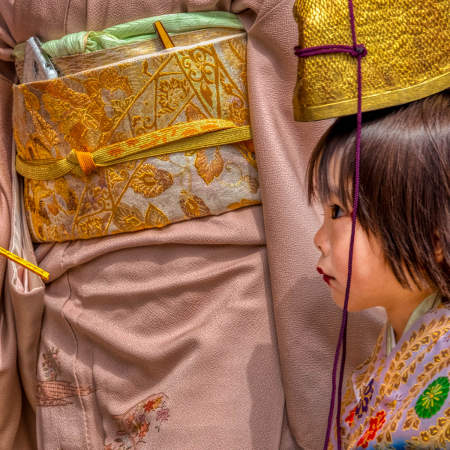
(407, 58)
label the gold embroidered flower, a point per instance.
(171, 93)
(150, 181)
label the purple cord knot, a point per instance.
(359, 50)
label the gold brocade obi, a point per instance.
(143, 142)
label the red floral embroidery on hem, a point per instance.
(374, 426)
(351, 417)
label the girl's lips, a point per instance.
(326, 278)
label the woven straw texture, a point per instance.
(408, 49)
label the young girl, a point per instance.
(399, 398)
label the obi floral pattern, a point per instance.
(95, 108)
(400, 400)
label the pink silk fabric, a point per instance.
(188, 316)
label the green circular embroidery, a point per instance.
(432, 398)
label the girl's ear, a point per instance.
(438, 250)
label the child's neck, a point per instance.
(399, 312)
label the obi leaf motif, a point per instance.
(155, 217)
(128, 218)
(150, 181)
(236, 53)
(192, 205)
(35, 205)
(432, 398)
(207, 168)
(94, 197)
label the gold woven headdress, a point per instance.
(408, 48)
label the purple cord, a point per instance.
(358, 51)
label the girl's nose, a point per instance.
(319, 240)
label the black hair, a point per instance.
(404, 197)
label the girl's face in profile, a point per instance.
(373, 282)
(401, 253)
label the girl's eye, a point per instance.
(336, 212)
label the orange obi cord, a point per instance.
(85, 161)
(23, 262)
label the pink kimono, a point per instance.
(175, 338)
